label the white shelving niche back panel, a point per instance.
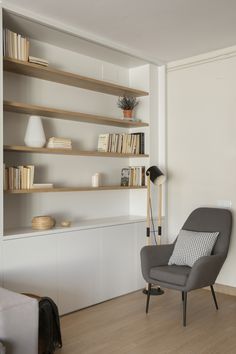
(70, 170)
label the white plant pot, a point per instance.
(34, 135)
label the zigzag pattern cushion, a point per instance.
(191, 245)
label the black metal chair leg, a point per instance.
(148, 296)
(182, 295)
(214, 297)
(184, 308)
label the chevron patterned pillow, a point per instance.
(192, 245)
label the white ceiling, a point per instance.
(164, 30)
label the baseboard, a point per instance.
(224, 289)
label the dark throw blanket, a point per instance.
(49, 326)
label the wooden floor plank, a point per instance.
(120, 326)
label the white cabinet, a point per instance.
(118, 263)
(30, 265)
(78, 268)
(79, 259)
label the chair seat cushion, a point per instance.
(171, 274)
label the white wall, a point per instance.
(201, 146)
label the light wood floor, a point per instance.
(121, 326)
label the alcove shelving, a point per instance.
(76, 152)
(60, 166)
(72, 189)
(18, 107)
(67, 78)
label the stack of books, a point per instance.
(59, 143)
(133, 176)
(122, 143)
(38, 61)
(15, 45)
(21, 177)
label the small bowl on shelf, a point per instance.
(65, 223)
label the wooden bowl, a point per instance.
(43, 223)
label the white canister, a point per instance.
(96, 180)
(34, 135)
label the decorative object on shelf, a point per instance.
(38, 61)
(96, 180)
(65, 223)
(59, 143)
(42, 185)
(43, 222)
(127, 103)
(156, 176)
(34, 136)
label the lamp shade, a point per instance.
(156, 176)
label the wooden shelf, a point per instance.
(67, 78)
(18, 107)
(18, 148)
(70, 189)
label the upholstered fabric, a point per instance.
(206, 269)
(171, 274)
(192, 245)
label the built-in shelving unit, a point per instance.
(24, 96)
(18, 107)
(67, 78)
(71, 189)
(76, 152)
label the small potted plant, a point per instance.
(127, 103)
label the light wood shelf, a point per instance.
(76, 152)
(67, 78)
(18, 107)
(70, 189)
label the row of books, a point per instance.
(133, 176)
(15, 45)
(122, 143)
(21, 177)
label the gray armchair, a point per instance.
(154, 259)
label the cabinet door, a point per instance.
(118, 261)
(78, 269)
(30, 265)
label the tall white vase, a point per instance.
(34, 135)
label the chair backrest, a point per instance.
(212, 220)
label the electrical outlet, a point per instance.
(224, 204)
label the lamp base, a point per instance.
(154, 291)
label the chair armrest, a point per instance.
(204, 271)
(154, 256)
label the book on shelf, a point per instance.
(38, 61)
(122, 143)
(59, 143)
(15, 45)
(18, 177)
(103, 142)
(22, 177)
(42, 185)
(133, 176)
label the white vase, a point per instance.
(34, 135)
